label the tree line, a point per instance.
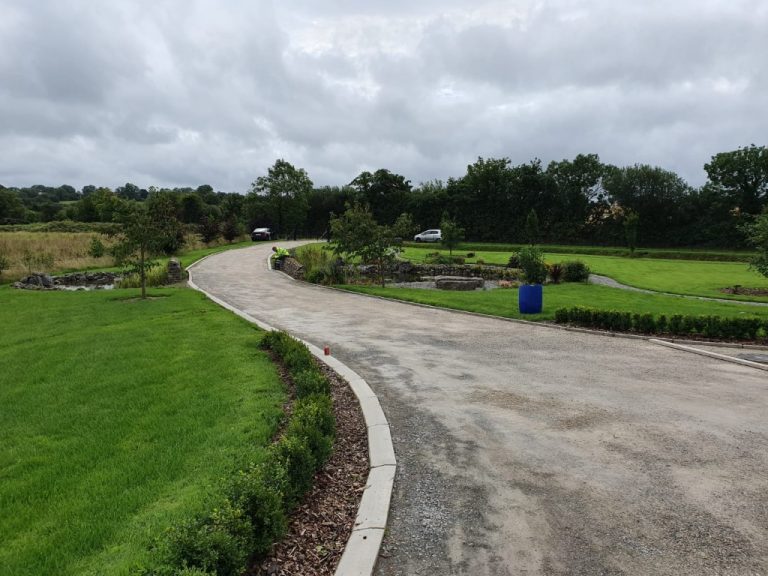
(582, 200)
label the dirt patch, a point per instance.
(321, 525)
(740, 290)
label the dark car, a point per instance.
(261, 234)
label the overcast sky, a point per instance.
(185, 92)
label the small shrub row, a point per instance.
(253, 513)
(440, 258)
(714, 327)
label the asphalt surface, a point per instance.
(531, 450)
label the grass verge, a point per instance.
(119, 417)
(503, 302)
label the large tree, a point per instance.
(385, 192)
(743, 175)
(286, 189)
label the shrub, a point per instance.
(96, 249)
(514, 260)
(714, 327)
(555, 272)
(156, 276)
(310, 382)
(295, 457)
(313, 422)
(575, 271)
(218, 543)
(470, 254)
(257, 491)
(532, 265)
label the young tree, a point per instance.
(287, 190)
(404, 227)
(231, 229)
(143, 235)
(451, 232)
(532, 227)
(631, 225)
(356, 234)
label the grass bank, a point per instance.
(503, 302)
(118, 417)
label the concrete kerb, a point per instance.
(362, 549)
(709, 354)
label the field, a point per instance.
(70, 251)
(118, 416)
(693, 277)
(503, 302)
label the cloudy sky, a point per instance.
(185, 92)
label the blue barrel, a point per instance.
(530, 297)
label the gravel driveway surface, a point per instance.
(531, 450)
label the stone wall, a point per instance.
(84, 279)
(410, 272)
(292, 267)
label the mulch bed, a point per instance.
(321, 525)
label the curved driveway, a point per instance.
(530, 450)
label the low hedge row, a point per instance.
(243, 524)
(715, 327)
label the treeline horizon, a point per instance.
(578, 201)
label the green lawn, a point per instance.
(118, 416)
(503, 302)
(694, 277)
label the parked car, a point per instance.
(433, 235)
(261, 234)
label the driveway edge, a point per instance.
(362, 549)
(709, 354)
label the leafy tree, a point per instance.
(532, 265)
(532, 227)
(165, 206)
(757, 236)
(631, 226)
(385, 192)
(286, 189)
(231, 229)
(11, 208)
(192, 208)
(356, 234)
(404, 227)
(451, 233)
(210, 228)
(743, 175)
(143, 236)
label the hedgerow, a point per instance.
(242, 525)
(713, 327)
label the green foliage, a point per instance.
(310, 382)
(286, 189)
(514, 260)
(320, 265)
(741, 175)
(438, 258)
(156, 275)
(356, 234)
(96, 249)
(4, 264)
(451, 233)
(631, 225)
(575, 271)
(713, 327)
(219, 542)
(209, 228)
(757, 235)
(231, 229)
(555, 271)
(404, 227)
(532, 265)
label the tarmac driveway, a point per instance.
(530, 450)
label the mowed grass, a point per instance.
(503, 302)
(692, 277)
(118, 416)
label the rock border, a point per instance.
(362, 550)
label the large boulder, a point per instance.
(458, 283)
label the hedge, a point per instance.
(714, 327)
(242, 525)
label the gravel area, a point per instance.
(321, 525)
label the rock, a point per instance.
(174, 271)
(458, 283)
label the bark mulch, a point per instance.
(320, 527)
